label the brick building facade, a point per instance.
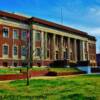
(49, 42)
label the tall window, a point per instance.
(65, 55)
(23, 51)
(5, 32)
(38, 36)
(15, 34)
(5, 50)
(23, 36)
(38, 52)
(15, 50)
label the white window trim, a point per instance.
(21, 50)
(8, 31)
(17, 33)
(3, 49)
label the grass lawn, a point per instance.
(83, 87)
(17, 70)
(9, 71)
(64, 69)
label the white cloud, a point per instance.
(95, 11)
(94, 31)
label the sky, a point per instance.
(80, 14)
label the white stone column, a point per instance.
(62, 47)
(88, 51)
(83, 50)
(42, 45)
(54, 47)
(68, 53)
(34, 49)
(45, 45)
(68, 48)
(75, 49)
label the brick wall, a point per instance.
(9, 42)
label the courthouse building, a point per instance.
(49, 42)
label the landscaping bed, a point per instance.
(21, 73)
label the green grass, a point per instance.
(17, 70)
(64, 69)
(83, 87)
(9, 71)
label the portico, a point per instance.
(60, 45)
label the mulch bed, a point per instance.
(63, 73)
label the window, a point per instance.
(5, 50)
(24, 33)
(23, 51)
(38, 52)
(15, 50)
(15, 34)
(38, 36)
(5, 32)
(65, 55)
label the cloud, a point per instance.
(93, 31)
(95, 11)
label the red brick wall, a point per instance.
(92, 53)
(9, 42)
(44, 63)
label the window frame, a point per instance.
(22, 38)
(17, 50)
(22, 51)
(3, 49)
(8, 32)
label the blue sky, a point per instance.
(79, 14)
